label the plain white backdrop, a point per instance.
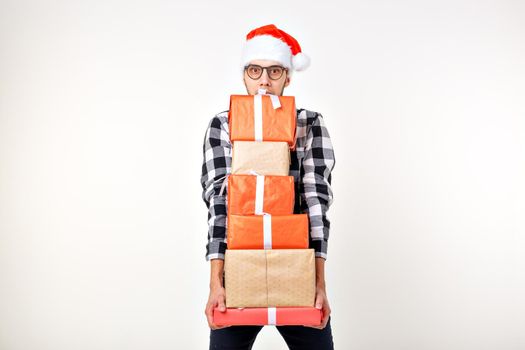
(103, 109)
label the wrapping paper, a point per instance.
(250, 195)
(269, 278)
(280, 316)
(267, 231)
(251, 119)
(263, 158)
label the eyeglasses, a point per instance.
(255, 72)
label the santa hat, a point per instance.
(271, 43)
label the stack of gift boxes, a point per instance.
(269, 270)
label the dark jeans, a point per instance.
(296, 337)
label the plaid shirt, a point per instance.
(311, 166)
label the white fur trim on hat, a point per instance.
(267, 47)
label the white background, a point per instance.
(103, 109)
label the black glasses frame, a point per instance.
(262, 71)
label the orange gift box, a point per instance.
(268, 124)
(280, 316)
(250, 195)
(267, 231)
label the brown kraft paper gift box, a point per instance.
(261, 157)
(269, 278)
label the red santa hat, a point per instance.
(271, 43)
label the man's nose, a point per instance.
(265, 80)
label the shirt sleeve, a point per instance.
(216, 165)
(318, 162)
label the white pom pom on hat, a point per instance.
(271, 43)
(300, 61)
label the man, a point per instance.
(269, 57)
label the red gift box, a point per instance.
(261, 316)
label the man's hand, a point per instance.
(217, 297)
(321, 300)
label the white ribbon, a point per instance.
(272, 316)
(257, 116)
(257, 111)
(259, 193)
(267, 231)
(259, 203)
(276, 103)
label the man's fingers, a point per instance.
(324, 318)
(324, 323)
(221, 327)
(209, 309)
(316, 327)
(326, 311)
(326, 315)
(216, 301)
(319, 300)
(215, 327)
(222, 306)
(321, 326)
(209, 314)
(210, 320)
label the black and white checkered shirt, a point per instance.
(311, 166)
